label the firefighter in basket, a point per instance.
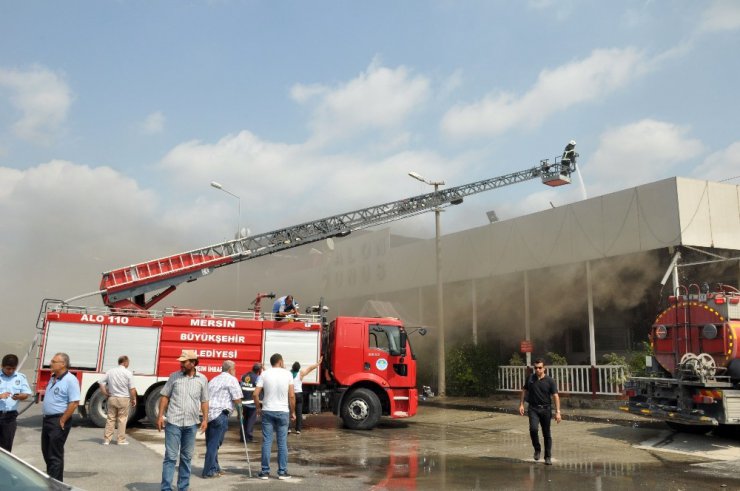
(285, 308)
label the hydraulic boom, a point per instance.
(125, 288)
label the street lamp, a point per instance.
(218, 186)
(441, 389)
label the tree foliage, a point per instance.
(556, 359)
(516, 360)
(471, 370)
(633, 360)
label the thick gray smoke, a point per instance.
(624, 292)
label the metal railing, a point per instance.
(571, 379)
(177, 311)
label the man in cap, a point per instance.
(184, 399)
(249, 383)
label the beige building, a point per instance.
(580, 280)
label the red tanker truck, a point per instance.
(695, 367)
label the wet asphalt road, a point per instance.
(438, 449)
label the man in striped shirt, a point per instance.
(183, 396)
(224, 392)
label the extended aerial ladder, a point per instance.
(126, 288)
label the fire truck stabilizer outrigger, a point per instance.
(368, 368)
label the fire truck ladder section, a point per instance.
(125, 288)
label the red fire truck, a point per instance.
(368, 368)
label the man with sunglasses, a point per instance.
(539, 391)
(61, 399)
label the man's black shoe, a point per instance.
(548, 461)
(536, 455)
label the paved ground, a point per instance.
(573, 408)
(455, 443)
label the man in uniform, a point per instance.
(538, 392)
(184, 396)
(224, 392)
(249, 383)
(13, 388)
(118, 387)
(61, 399)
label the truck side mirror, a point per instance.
(402, 339)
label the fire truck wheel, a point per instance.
(97, 410)
(692, 429)
(361, 410)
(727, 431)
(140, 410)
(152, 405)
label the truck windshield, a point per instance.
(386, 338)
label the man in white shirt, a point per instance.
(224, 391)
(278, 409)
(118, 387)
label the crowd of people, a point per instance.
(189, 403)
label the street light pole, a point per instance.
(218, 186)
(442, 386)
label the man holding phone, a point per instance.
(13, 388)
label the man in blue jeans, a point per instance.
(278, 409)
(184, 396)
(224, 392)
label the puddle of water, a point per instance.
(402, 455)
(444, 472)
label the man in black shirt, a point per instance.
(538, 392)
